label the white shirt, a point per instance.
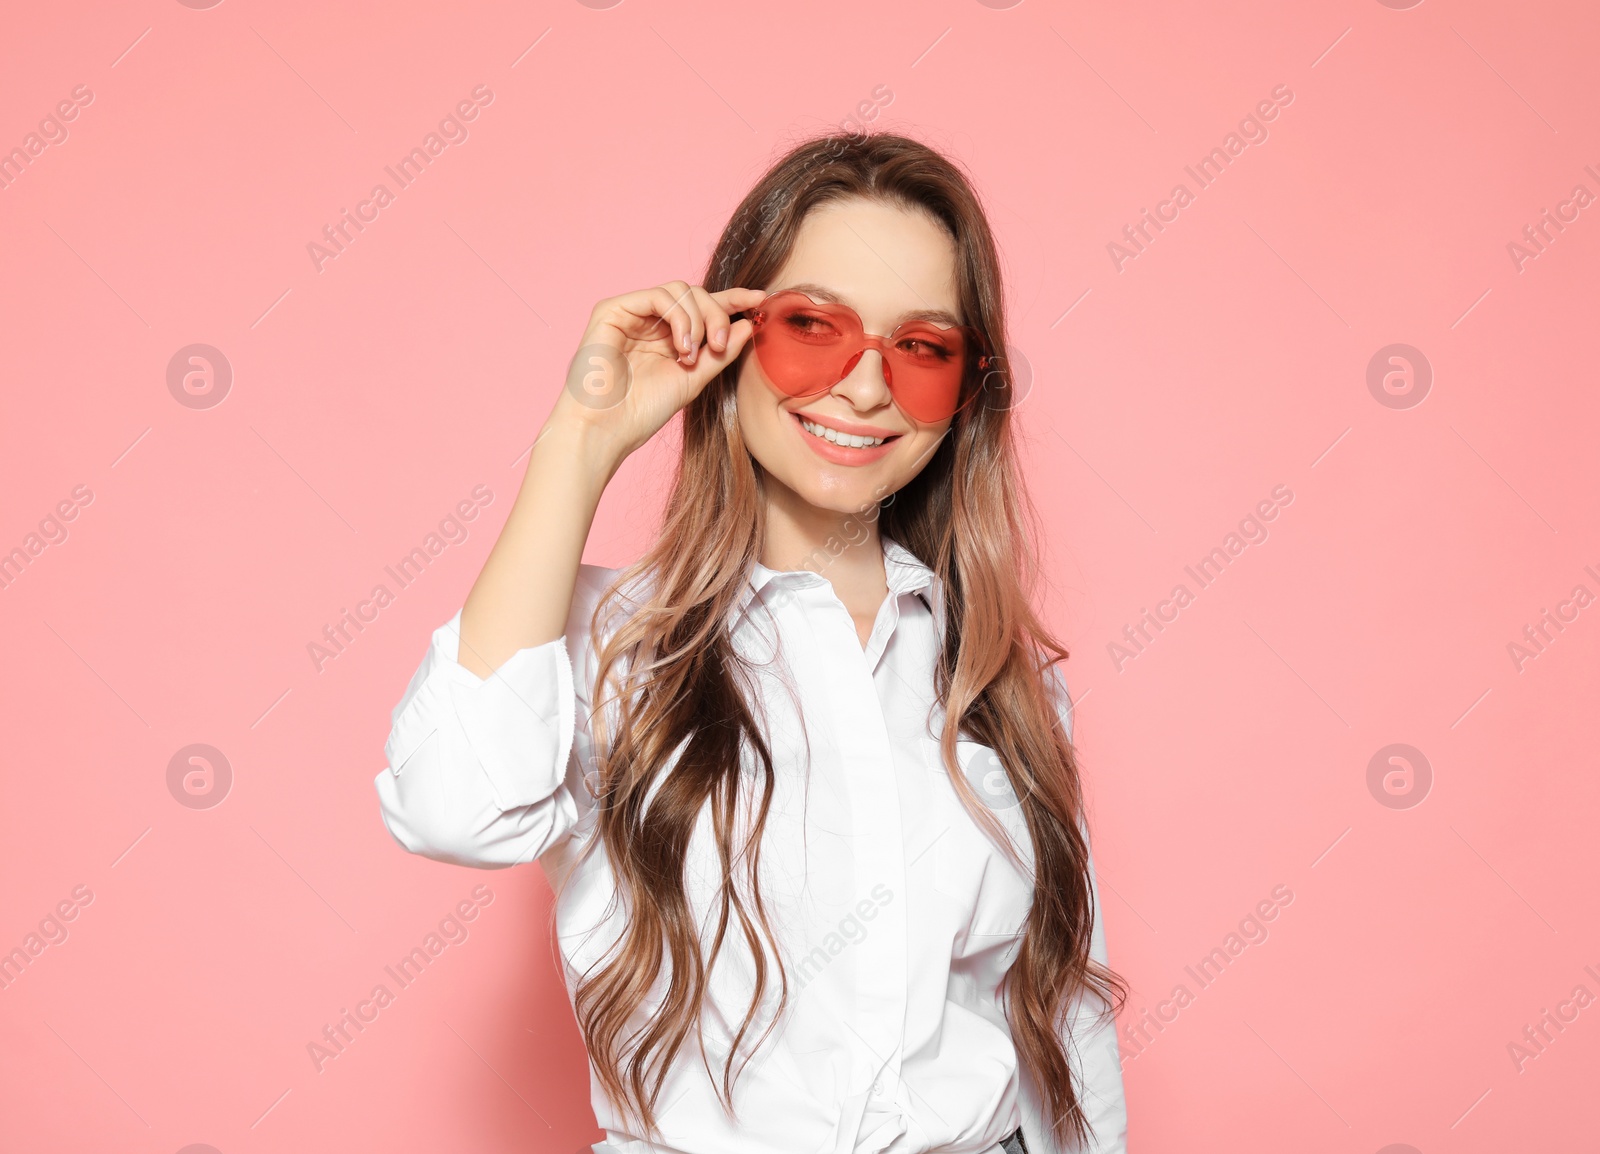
(897, 916)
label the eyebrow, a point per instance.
(822, 293)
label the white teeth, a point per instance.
(839, 438)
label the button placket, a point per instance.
(877, 837)
(880, 861)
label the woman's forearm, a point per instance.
(524, 593)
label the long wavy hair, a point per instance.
(684, 737)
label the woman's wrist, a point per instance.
(584, 444)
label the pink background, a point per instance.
(1169, 398)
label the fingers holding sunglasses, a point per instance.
(711, 313)
(664, 344)
(724, 339)
(683, 314)
(712, 324)
(702, 319)
(715, 317)
(731, 301)
(661, 318)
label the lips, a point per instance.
(848, 440)
(846, 448)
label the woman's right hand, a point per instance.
(647, 354)
(644, 356)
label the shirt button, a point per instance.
(877, 1088)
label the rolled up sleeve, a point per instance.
(477, 771)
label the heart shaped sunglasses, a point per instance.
(805, 347)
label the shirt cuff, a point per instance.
(518, 721)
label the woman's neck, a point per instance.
(846, 548)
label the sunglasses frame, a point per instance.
(884, 345)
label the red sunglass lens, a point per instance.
(806, 348)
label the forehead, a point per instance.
(884, 261)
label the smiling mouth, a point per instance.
(844, 440)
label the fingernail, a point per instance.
(722, 338)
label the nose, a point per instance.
(866, 381)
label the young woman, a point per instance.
(802, 777)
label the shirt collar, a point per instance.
(906, 573)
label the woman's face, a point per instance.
(889, 264)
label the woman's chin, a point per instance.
(833, 490)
